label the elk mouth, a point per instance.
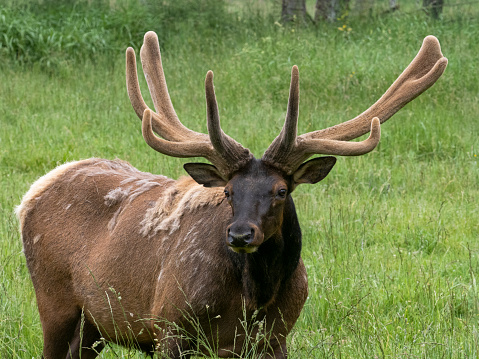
(247, 249)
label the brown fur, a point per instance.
(184, 196)
(132, 250)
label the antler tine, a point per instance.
(234, 154)
(290, 128)
(171, 148)
(288, 151)
(153, 69)
(342, 148)
(221, 150)
(425, 69)
(132, 85)
(165, 122)
(283, 145)
(422, 73)
(160, 125)
(177, 140)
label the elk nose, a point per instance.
(240, 236)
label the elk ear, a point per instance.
(205, 174)
(314, 170)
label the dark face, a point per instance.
(257, 199)
(257, 195)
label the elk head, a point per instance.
(259, 189)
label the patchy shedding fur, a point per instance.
(184, 196)
(116, 195)
(40, 186)
(136, 182)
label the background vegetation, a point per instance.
(390, 238)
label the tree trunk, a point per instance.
(330, 10)
(294, 10)
(433, 7)
(364, 7)
(393, 5)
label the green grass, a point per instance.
(390, 238)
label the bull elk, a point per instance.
(143, 260)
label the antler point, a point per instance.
(151, 35)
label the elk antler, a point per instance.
(177, 140)
(288, 151)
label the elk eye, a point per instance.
(227, 193)
(282, 193)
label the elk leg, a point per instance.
(277, 349)
(58, 328)
(281, 352)
(85, 336)
(174, 348)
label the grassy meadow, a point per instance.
(390, 239)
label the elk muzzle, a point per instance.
(244, 237)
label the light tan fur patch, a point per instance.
(135, 182)
(40, 186)
(184, 196)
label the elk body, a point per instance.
(181, 266)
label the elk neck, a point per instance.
(262, 273)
